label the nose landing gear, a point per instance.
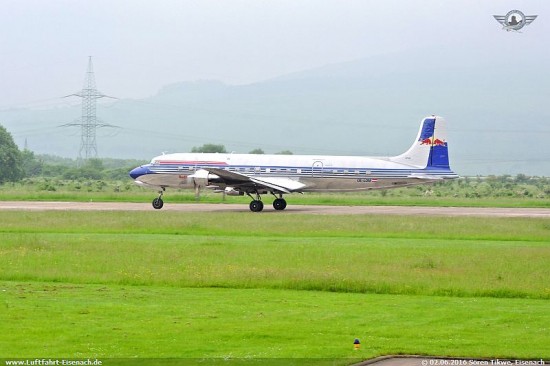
(158, 202)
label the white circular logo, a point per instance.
(515, 20)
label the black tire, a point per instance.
(158, 203)
(279, 204)
(256, 206)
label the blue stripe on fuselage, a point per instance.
(251, 170)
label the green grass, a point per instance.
(287, 226)
(126, 191)
(232, 285)
(65, 320)
(369, 265)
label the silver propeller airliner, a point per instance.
(426, 161)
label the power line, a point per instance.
(88, 123)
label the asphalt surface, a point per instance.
(291, 209)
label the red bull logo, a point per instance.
(432, 142)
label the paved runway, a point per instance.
(291, 209)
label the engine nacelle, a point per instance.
(230, 191)
(200, 178)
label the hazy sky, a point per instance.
(140, 45)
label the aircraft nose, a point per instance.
(138, 172)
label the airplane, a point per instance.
(426, 161)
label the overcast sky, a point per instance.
(140, 45)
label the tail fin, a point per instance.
(430, 147)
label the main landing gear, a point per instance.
(280, 203)
(158, 202)
(257, 205)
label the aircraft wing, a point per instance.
(285, 185)
(238, 180)
(230, 178)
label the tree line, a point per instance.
(17, 165)
(218, 148)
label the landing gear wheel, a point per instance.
(158, 203)
(279, 204)
(256, 206)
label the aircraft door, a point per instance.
(317, 168)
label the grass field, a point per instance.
(233, 286)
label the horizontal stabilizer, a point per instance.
(424, 176)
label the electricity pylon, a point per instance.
(88, 122)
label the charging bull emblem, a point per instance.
(432, 142)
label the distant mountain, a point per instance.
(495, 101)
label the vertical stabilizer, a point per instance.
(430, 147)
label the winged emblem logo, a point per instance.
(514, 20)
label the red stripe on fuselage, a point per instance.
(193, 162)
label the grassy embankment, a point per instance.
(125, 191)
(168, 284)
